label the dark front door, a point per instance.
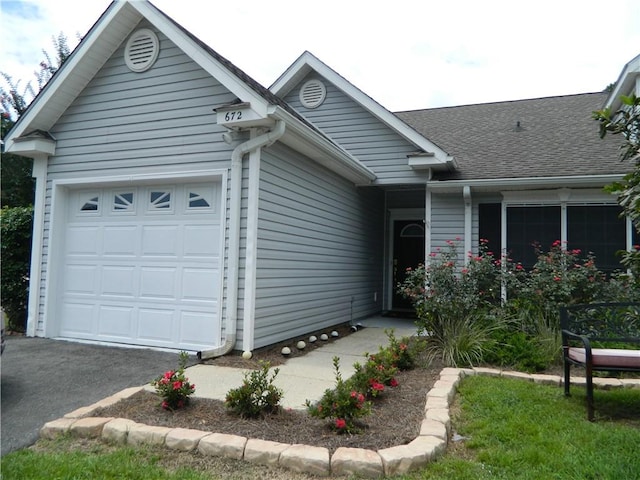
(408, 251)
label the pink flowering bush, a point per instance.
(343, 405)
(173, 386)
(460, 305)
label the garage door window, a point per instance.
(90, 203)
(123, 202)
(160, 201)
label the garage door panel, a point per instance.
(119, 281)
(158, 282)
(115, 322)
(160, 241)
(121, 241)
(201, 241)
(194, 326)
(81, 279)
(200, 284)
(156, 325)
(83, 240)
(77, 319)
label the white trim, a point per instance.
(577, 181)
(558, 196)
(37, 242)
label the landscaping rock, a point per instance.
(307, 459)
(185, 439)
(433, 428)
(55, 428)
(140, 434)
(90, 427)
(264, 452)
(223, 445)
(117, 430)
(357, 461)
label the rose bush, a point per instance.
(174, 387)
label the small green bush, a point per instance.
(15, 233)
(343, 404)
(257, 395)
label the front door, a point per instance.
(408, 252)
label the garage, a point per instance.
(142, 266)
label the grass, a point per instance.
(515, 430)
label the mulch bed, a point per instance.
(387, 425)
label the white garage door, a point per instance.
(142, 266)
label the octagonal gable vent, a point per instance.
(141, 50)
(312, 94)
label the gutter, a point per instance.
(260, 141)
(564, 181)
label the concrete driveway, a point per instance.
(43, 379)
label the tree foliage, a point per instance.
(17, 187)
(626, 122)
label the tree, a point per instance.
(17, 188)
(626, 122)
(16, 183)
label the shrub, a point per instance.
(404, 351)
(257, 395)
(461, 310)
(174, 387)
(15, 232)
(343, 405)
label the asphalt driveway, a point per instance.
(43, 379)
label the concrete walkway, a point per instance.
(308, 376)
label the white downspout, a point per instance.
(234, 236)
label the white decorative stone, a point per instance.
(324, 337)
(313, 339)
(335, 334)
(285, 351)
(301, 345)
(247, 354)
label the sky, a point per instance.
(405, 54)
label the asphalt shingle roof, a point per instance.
(556, 137)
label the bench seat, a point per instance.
(604, 358)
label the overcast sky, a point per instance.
(405, 54)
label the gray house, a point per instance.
(179, 204)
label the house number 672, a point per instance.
(231, 116)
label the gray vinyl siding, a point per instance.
(447, 222)
(361, 134)
(320, 248)
(129, 123)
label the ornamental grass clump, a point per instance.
(174, 387)
(257, 395)
(343, 405)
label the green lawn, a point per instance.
(515, 430)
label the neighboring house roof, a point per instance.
(541, 137)
(307, 63)
(628, 82)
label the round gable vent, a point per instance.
(312, 94)
(141, 50)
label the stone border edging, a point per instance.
(431, 442)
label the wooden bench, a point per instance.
(600, 337)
